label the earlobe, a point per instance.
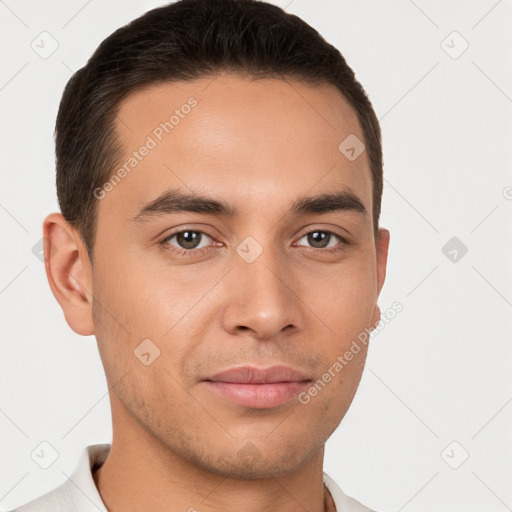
(69, 272)
(376, 317)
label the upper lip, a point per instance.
(254, 375)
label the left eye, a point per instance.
(187, 240)
(320, 239)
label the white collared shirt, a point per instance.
(79, 492)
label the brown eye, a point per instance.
(186, 240)
(321, 239)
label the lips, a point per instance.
(252, 375)
(258, 388)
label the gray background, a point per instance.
(440, 372)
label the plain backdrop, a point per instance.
(430, 427)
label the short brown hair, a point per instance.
(185, 40)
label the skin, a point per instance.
(258, 145)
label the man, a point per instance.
(219, 173)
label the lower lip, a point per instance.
(259, 396)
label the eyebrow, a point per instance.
(177, 201)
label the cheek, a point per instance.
(126, 315)
(344, 297)
(162, 293)
(147, 299)
(344, 307)
(326, 401)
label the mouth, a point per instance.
(258, 388)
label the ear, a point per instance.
(69, 272)
(382, 246)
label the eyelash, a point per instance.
(185, 252)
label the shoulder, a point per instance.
(78, 493)
(57, 500)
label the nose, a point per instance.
(261, 297)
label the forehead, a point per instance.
(250, 142)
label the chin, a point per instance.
(258, 463)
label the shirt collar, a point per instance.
(83, 488)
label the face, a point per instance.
(186, 289)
